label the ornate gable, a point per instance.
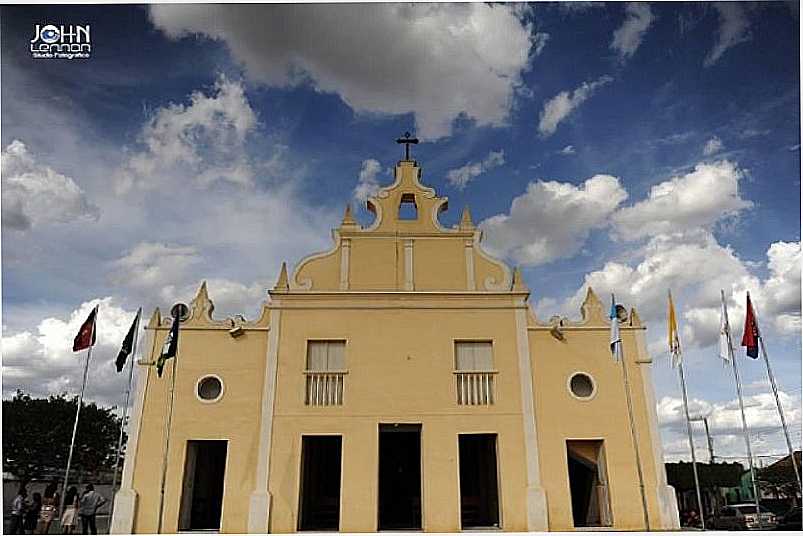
(405, 248)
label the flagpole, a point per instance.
(131, 359)
(777, 398)
(633, 431)
(691, 443)
(167, 444)
(746, 431)
(674, 346)
(78, 410)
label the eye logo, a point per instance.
(49, 34)
(65, 41)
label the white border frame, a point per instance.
(211, 400)
(593, 386)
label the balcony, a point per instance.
(475, 387)
(324, 388)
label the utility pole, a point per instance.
(708, 438)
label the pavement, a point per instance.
(101, 521)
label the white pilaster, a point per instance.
(345, 254)
(259, 504)
(470, 279)
(125, 501)
(537, 514)
(667, 500)
(409, 284)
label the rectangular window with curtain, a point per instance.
(474, 372)
(326, 356)
(325, 372)
(473, 355)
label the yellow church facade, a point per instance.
(398, 381)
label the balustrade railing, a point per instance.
(324, 388)
(475, 387)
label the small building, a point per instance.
(718, 482)
(399, 380)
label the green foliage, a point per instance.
(37, 433)
(712, 475)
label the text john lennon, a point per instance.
(61, 42)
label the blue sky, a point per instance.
(633, 147)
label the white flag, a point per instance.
(724, 350)
(616, 339)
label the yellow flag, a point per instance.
(674, 338)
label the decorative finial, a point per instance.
(518, 281)
(156, 319)
(348, 218)
(282, 283)
(407, 140)
(201, 304)
(635, 319)
(592, 310)
(465, 220)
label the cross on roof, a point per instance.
(407, 140)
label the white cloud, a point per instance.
(202, 142)
(149, 266)
(43, 362)
(552, 219)
(569, 149)
(713, 146)
(725, 424)
(734, 28)
(698, 199)
(782, 290)
(169, 233)
(695, 267)
(539, 42)
(460, 177)
(229, 297)
(564, 103)
(436, 61)
(627, 38)
(36, 194)
(367, 183)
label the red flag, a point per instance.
(750, 337)
(86, 335)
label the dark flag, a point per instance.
(86, 335)
(750, 337)
(128, 344)
(169, 348)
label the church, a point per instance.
(398, 381)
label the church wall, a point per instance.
(240, 363)
(439, 264)
(375, 264)
(393, 377)
(561, 416)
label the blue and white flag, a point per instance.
(616, 339)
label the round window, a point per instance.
(210, 388)
(581, 385)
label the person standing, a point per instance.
(31, 517)
(50, 508)
(70, 514)
(18, 506)
(90, 502)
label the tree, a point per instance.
(37, 433)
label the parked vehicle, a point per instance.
(791, 520)
(742, 517)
